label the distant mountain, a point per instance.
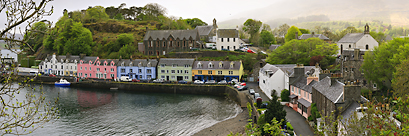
(393, 12)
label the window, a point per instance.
(220, 65)
(71, 67)
(292, 90)
(86, 75)
(374, 85)
(228, 39)
(164, 43)
(186, 71)
(172, 77)
(350, 46)
(222, 39)
(167, 71)
(112, 70)
(299, 106)
(162, 71)
(112, 75)
(367, 47)
(186, 77)
(97, 69)
(173, 71)
(105, 69)
(149, 71)
(230, 72)
(211, 65)
(199, 72)
(234, 39)
(148, 76)
(162, 65)
(45, 66)
(75, 67)
(89, 68)
(122, 70)
(140, 70)
(56, 66)
(90, 75)
(62, 67)
(222, 47)
(130, 70)
(234, 47)
(163, 77)
(85, 68)
(304, 94)
(299, 92)
(210, 72)
(187, 65)
(220, 72)
(177, 71)
(174, 65)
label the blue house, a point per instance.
(142, 69)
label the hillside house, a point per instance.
(228, 39)
(362, 41)
(207, 33)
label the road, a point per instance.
(298, 122)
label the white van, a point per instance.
(125, 79)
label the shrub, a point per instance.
(259, 111)
(255, 104)
(261, 120)
(289, 126)
(285, 95)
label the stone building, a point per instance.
(207, 33)
(161, 42)
(306, 36)
(363, 41)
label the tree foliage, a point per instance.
(36, 33)
(379, 65)
(152, 11)
(252, 27)
(301, 51)
(304, 31)
(96, 13)
(291, 33)
(21, 117)
(266, 38)
(401, 79)
(195, 22)
(275, 110)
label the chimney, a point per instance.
(237, 27)
(68, 55)
(323, 74)
(312, 33)
(130, 58)
(120, 58)
(147, 29)
(333, 80)
(351, 92)
(311, 78)
(299, 70)
(356, 54)
(296, 35)
(82, 56)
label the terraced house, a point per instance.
(175, 69)
(60, 65)
(142, 69)
(161, 42)
(91, 67)
(217, 70)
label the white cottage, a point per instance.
(60, 65)
(227, 39)
(363, 41)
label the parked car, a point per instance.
(198, 82)
(223, 82)
(264, 105)
(241, 88)
(225, 50)
(256, 95)
(211, 82)
(125, 79)
(160, 80)
(136, 80)
(237, 85)
(242, 84)
(233, 81)
(51, 75)
(250, 51)
(251, 91)
(182, 82)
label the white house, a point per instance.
(362, 41)
(227, 39)
(60, 65)
(277, 77)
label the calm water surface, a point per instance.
(105, 112)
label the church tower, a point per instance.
(366, 31)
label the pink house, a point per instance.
(93, 67)
(301, 95)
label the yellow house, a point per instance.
(217, 70)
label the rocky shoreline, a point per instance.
(233, 125)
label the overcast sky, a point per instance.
(203, 9)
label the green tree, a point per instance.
(127, 51)
(119, 16)
(291, 33)
(17, 116)
(152, 11)
(266, 38)
(304, 31)
(36, 33)
(121, 41)
(252, 27)
(275, 110)
(379, 65)
(401, 79)
(285, 95)
(195, 22)
(96, 13)
(379, 37)
(80, 40)
(301, 51)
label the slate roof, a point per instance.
(86, 59)
(71, 58)
(269, 67)
(108, 61)
(204, 30)
(274, 46)
(332, 92)
(351, 38)
(301, 83)
(226, 65)
(306, 36)
(304, 102)
(227, 33)
(179, 61)
(164, 34)
(348, 112)
(135, 62)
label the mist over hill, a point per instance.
(394, 12)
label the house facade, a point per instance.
(175, 69)
(362, 41)
(93, 67)
(227, 39)
(301, 95)
(217, 70)
(59, 65)
(161, 42)
(142, 69)
(207, 33)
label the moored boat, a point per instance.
(62, 82)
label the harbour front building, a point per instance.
(175, 69)
(91, 67)
(217, 70)
(161, 42)
(141, 69)
(60, 65)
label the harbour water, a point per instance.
(107, 112)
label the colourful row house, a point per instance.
(217, 70)
(61, 65)
(141, 69)
(98, 68)
(175, 69)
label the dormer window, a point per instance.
(130, 64)
(199, 65)
(105, 63)
(112, 63)
(221, 65)
(231, 65)
(62, 60)
(80, 62)
(90, 62)
(149, 64)
(140, 64)
(122, 64)
(174, 65)
(211, 65)
(98, 63)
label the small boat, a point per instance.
(63, 83)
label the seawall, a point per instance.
(216, 90)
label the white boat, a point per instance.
(62, 82)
